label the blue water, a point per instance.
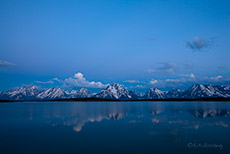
(115, 128)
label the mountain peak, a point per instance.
(28, 87)
(26, 92)
(200, 90)
(114, 91)
(83, 93)
(198, 85)
(116, 85)
(154, 93)
(154, 89)
(174, 93)
(31, 86)
(83, 90)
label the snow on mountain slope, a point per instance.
(31, 92)
(52, 93)
(174, 93)
(134, 95)
(201, 91)
(82, 93)
(154, 93)
(114, 91)
(224, 90)
(23, 93)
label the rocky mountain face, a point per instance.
(115, 91)
(201, 91)
(154, 93)
(82, 93)
(23, 93)
(52, 93)
(31, 92)
(174, 93)
(134, 95)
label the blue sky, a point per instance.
(140, 44)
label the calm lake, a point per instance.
(115, 127)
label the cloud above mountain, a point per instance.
(132, 81)
(183, 81)
(188, 79)
(78, 80)
(44, 82)
(50, 81)
(153, 81)
(217, 79)
(191, 75)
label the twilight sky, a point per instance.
(141, 44)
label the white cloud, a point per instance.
(153, 81)
(44, 82)
(139, 86)
(131, 81)
(78, 80)
(79, 76)
(172, 80)
(216, 78)
(56, 79)
(191, 75)
(49, 82)
(220, 80)
(180, 82)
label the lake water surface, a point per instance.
(115, 128)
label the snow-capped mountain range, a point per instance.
(116, 91)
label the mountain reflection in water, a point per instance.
(171, 124)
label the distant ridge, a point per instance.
(117, 92)
(138, 100)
